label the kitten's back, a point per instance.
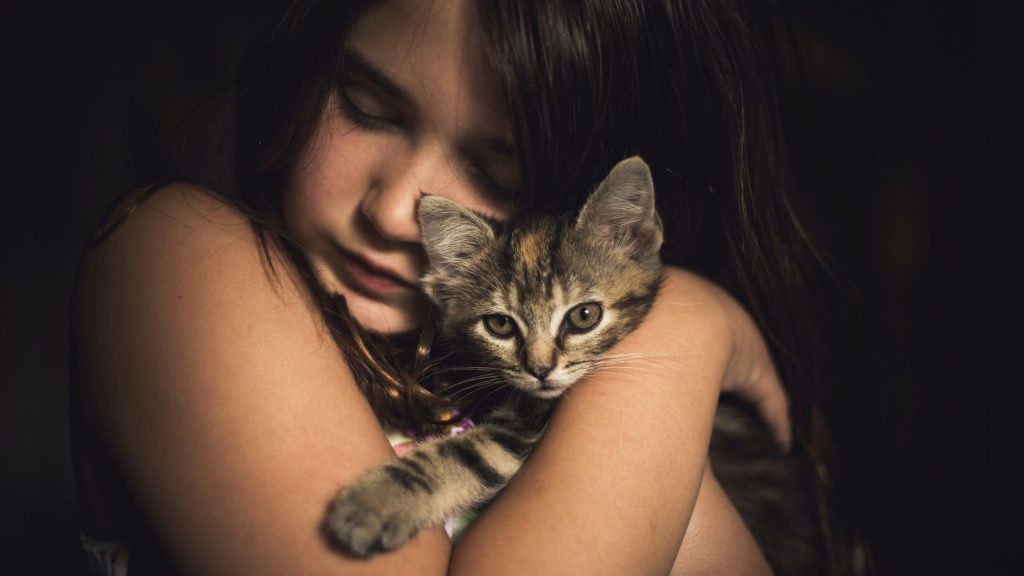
(773, 492)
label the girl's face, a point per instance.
(417, 111)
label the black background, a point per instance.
(905, 130)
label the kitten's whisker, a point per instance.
(630, 364)
(496, 389)
(641, 359)
(478, 374)
(470, 390)
(459, 393)
(440, 371)
(476, 384)
(631, 356)
(473, 378)
(630, 368)
(468, 398)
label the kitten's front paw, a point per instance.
(371, 517)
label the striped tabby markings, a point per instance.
(511, 443)
(561, 306)
(531, 250)
(410, 480)
(468, 454)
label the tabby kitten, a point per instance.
(532, 303)
(536, 301)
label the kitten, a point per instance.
(532, 303)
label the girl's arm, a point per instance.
(717, 541)
(234, 420)
(613, 484)
(228, 409)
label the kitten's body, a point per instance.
(529, 305)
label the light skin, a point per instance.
(418, 113)
(234, 419)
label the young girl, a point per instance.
(238, 356)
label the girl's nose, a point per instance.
(391, 203)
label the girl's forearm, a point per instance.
(612, 486)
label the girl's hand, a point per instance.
(751, 375)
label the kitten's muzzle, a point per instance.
(547, 391)
(549, 387)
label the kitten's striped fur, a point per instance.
(528, 305)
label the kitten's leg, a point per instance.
(437, 480)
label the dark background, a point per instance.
(905, 130)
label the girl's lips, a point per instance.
(373, 279)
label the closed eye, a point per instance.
(491, 186)
(368, 97)
(361, 118)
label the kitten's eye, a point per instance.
(584, 317)
(500, 325)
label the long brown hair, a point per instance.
(690, 86)
(284, 82)
(687, 84)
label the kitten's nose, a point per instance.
(539, 370)
(539, 357)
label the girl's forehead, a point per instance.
(434, 51)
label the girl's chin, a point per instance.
(386, 318)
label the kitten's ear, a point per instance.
(452, 235)
(621, 211)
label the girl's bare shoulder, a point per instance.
(219, 392)
(181, 292)
(183, 254)
(178, 228)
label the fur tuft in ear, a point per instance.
(451, 233)
(621, 212)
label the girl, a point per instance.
(237, 355)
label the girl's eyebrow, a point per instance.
(353, 61)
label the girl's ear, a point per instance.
(621, 212)
(452, 235)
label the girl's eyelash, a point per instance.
(491, 185)
(360, 118)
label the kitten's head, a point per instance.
(540, 299)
